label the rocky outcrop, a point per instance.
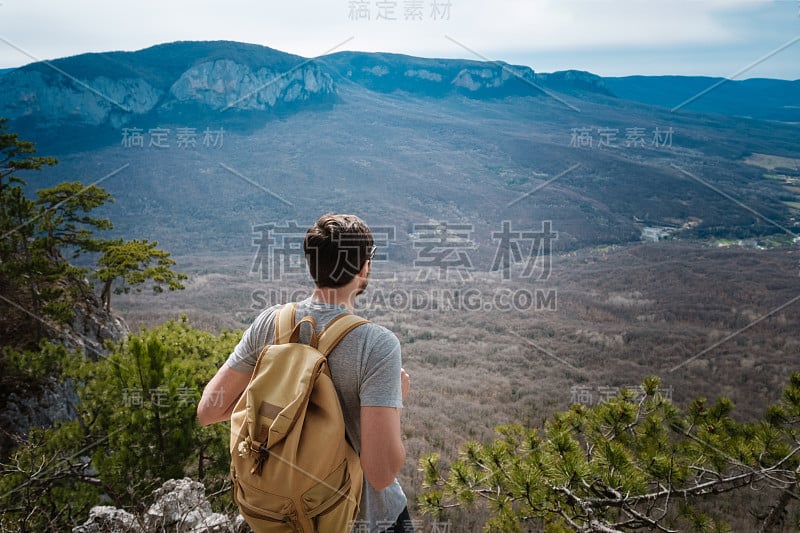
(423, 74)
(223, 83)
(90, 102)
(54, 400)
(571, 81)
(434, 77)
(91, 328)
(494, 77)
(180, 506)
(106, 519)
(117, 88)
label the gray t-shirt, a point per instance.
(365, 367)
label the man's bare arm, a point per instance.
(221, 394)
(382, 450)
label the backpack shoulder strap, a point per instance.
(336, 330)
(284, 323)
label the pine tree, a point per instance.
(136, 427)
(131, 262)
(21, 264)
(631, 463)
(37, 235)
(64, 218)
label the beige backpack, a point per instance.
(292, 467)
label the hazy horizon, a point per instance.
(735, 39)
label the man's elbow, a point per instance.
(382, 475)
(203, 416)
(381, 482)
(208, 414)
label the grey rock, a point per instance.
(91, 327)
(106, 519)
(475, 79)
(378, 70)
(423, 74)
(88, 102)
(181, 505)
(88, 331)
(55, 403)
(223, 83)
(240, 526)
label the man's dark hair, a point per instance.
(336, 248)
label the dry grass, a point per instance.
(771, 162)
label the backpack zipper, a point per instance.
(260, 514)
(330, 508)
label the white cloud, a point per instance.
(49, 29)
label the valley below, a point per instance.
(481, 350)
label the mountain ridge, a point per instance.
(760, 98)
(252, 83)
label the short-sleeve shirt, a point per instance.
(365, 368)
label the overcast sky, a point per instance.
(731, 38)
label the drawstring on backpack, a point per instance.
(247, 447)
(263, 453)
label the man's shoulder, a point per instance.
(376, 334)
(270, 311)
(375, 328)
(266, 317)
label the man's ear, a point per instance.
(364, 272)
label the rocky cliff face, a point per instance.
(91, 328)
(572, 81)
(223, 83)
(434, 77)
(85, 91)
(29, 94)
(475, 79)
(54, 400)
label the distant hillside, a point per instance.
(388, 73)
(178, 81)
(765, 99)
(159, 64)
(91, 94)
(237, 85)
(577, 82)
(200, 143)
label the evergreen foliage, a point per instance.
(130, 261)
(36, 236)
(136, 427)
(631, 463)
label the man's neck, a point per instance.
(334, 296)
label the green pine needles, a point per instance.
(635, 462)
(135, 427)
